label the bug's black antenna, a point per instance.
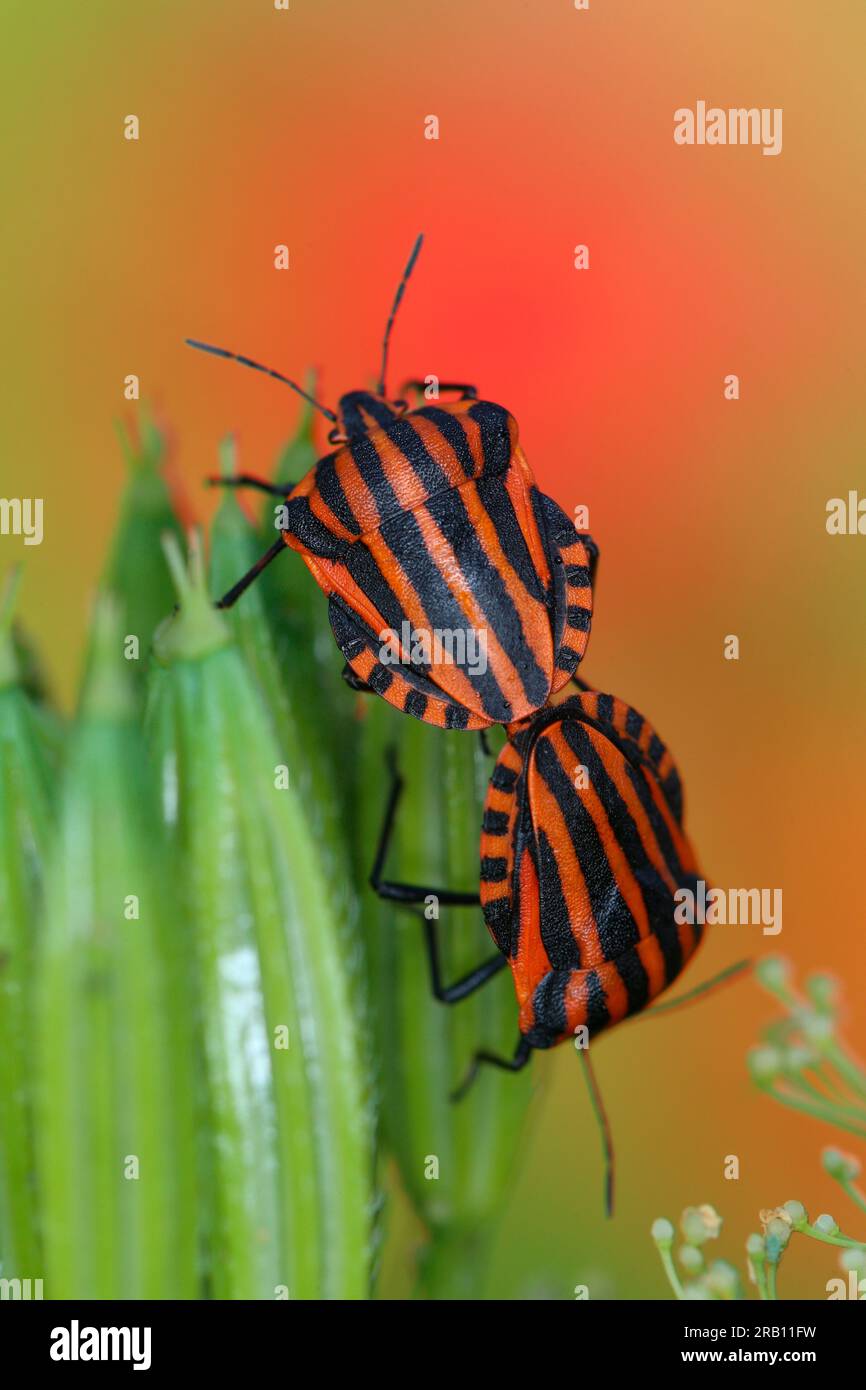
(258, 367)
(410, 264)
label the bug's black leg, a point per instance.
(354, 681)
(243, 583)
(485, 743)
(452, 994)
(467, 392)
(247, 480)
(409, 893)
(522, 1054)
(604, 1129)
(725, 977)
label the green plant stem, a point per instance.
(771, 1280)
(816, 1234)
(670, 1270)
(847, 1066)
(453, 1265)
(832, 1115)
(854, 1192)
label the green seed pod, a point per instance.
(662, 1232)
(26, 821)
(765, 1064)
(823, 990)
(136, 572)
(797, 1212)
(839, 1165)
(690, 1259)
(774, 973)
(777, 1233)
(455, 1159)
(113, 1137)
(289, 1152)
(699, 1224)
(853, 1259)
(304, 729)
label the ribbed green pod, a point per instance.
(136, 572)
(26, 822)
(455, 1160)
(305, 725)
(290, 1147)
(113, 1096)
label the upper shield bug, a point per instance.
(582, 852)
(457, 590)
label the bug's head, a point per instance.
(362, 411)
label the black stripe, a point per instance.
(453, 433)
(370, 580)
(657, 898)
(497, 917)
(493, 869)
(503, 778)
(548, 1005)
(404, 436)
(330, 490)
(634, 723)
(578, 617)
(369, 465)
(403, 535)
(605, 708)
(656, 750)
(562, 950)
(492, 421)
(448, 510)
(497, 503)
(495, 822)
(380, 678)
(673, 790)
(415, 704)
(311, 532)
(616, 926)
(657, 822)
(456, 717)
(577, 576)
(598, 1015)
(633, 974)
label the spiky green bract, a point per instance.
(113, 1095)
(455, 1160)
(289, 1141)
(136, 572)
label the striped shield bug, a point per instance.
(582, 853)
(457, 590)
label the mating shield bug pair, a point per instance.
(428, 519)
